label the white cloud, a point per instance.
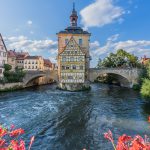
(26, 44)
(138, 48)
(29, 22)
(100, 13)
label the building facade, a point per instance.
(20, 58)
(11, 59)
(145, 60)
(73, 56)
(3, 55)
(33, 63)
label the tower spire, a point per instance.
(74, 17)
(73, 6)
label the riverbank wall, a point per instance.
(11, 86)
(4, 87)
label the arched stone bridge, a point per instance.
(126, 77)
(32, 75)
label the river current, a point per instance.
(62, 120)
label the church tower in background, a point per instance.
(73, 56)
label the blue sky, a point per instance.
(31, 25)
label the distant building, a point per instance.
(48, 65)
(145, 60)
(20, 57)
(12, 59)
(33, 63)
(73, 56)
(3, 55)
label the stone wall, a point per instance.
(11, 86)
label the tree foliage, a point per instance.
(119, 59)
(145, 90)
(13, 76)
(7, 67)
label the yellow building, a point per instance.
(33, 63)
(73, 56)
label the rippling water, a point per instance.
(75, 120)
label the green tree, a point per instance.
(7, 67)
(120, 59)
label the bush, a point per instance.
(7, 67)
(145, 90)
(14, 76)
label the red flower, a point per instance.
(12, 127)
(22, 145)
(16, 132)
(108, 136)
(2, 142)
(123, 142)
(2, 132)
(15, 145)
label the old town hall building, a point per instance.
(73, 56)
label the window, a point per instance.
(81, 67)
(70, 77)
(63, 67)
(80, 58)
(80, 42)
(33, 62)
(29, 62)
(72, 59)
(63, 58)
(66, 41)
(29, 67)
(32, 67)
(67, 68)
(74, 67)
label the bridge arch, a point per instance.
(49, 76)
(32, 78)
(120, 79)
(127, 77)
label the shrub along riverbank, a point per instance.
(12, 76)
(145, 89)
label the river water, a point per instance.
(62, 120)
